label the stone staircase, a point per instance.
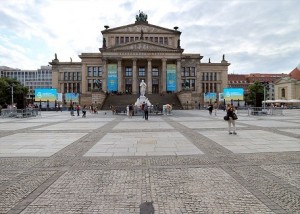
(155, 99)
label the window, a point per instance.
(90, 85)
(156, 39)
(128, 72)
(122, 40)
(75, 76)
(151, 39)
(182, 71)
(187, 72)
(136, 38)
(117, 41)
(131, 39)
(78, 75)
(70, 75)
(100, 71)
(155, 72)
(126, 39)
(142, 72)
(66, 76)
(90, 70)
(282, 92)
(166, 40)
(192, 72)
(161, 40)
(95, 73)
(65, 88)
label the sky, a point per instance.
(256, 36)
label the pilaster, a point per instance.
(178, 73)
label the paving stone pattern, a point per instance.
(182, 163)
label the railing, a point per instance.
(20, 113)
(259, 111)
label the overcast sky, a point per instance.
(255, 35)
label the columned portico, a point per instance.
(149, 76)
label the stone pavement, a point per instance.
(184, 163)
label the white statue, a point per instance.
(143, 88)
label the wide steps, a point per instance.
(155, 99)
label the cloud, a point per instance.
(255, 35)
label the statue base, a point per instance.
(141, 100)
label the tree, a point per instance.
(19, 92)
(256, 94)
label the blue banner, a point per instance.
(112, 77)
(233, 94)
(45, 94)
(171, 77)
(74, 97)
(210, 97)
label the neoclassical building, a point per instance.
(136, 52)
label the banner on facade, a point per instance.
(45, 94)
(112, 77)
(233, 94)
(72, 97)
(210, 97)
(59, 97)
(171, 77)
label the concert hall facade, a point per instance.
(136, 52)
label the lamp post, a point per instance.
(12, 94)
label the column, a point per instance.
(83, 79)
(120, 76)
(104, 75)
(164, 75)
(149, 75)
(178, 73)
(134, 77)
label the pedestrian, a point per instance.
(84, 111)
(78, 110)
(216, 106)
(210, 109)
(72, 110)
(232, 117)
(130, 110)
(146, 113)
(142, 108)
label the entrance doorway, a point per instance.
(155, 86)
(128, 88)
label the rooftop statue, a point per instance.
(142, 17)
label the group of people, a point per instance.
(77, 108)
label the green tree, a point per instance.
(255, 93)
(19, 92)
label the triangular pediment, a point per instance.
(137, 28)
(141, 46)
(284, 80)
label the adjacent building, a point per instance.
(40, 78)
(288, 88)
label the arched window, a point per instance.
(282, 92)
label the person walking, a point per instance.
(210, 109)
(232, 117)
(146, 112)
(78, 110)
(84, 111)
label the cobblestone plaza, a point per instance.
(183, 163)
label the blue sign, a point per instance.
(233, 94)
(112, 77)
(171, 77)
(74, 97)
(45, 94)
(210, 97)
